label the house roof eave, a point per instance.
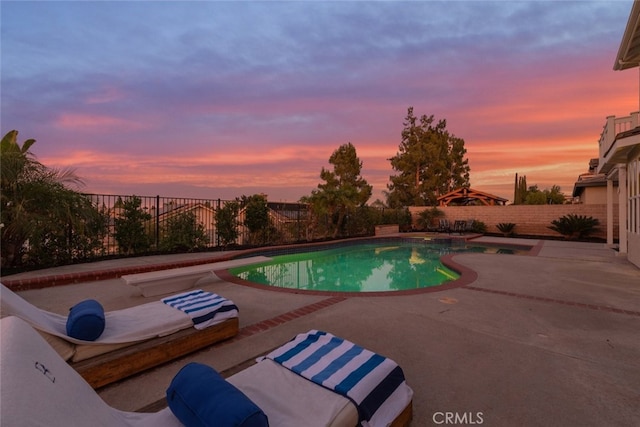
(629, 51)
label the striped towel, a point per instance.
(204, 308)
(368, 379)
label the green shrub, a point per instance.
(257, 218)
(427, 218)
(130, 230)
(386, 216)
(575, 226)
(183, 232)
(403, 217)
(363, 220)
(506, 228)
(227, 223)
(479, 227)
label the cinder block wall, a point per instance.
(529, 219)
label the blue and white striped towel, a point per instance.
(204, 308)
(368, 379)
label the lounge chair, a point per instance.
(444, 226)
(134, 339)
(459, 226)
(468, 226)
(39, 388)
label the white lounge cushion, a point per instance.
(41, 389)
(292, 401)
(132, 324)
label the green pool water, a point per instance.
(358, 268)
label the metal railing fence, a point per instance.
(288, 220)
(130, 225)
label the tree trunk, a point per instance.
(339, 223)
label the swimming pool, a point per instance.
(365, 267)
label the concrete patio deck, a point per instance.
(545, 340)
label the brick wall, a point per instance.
(529, 219)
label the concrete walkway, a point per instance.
(546, 340)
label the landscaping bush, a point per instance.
(257, 219)
(183, 232)
(427, 218)
(227, 223)
(130, 230)
(575, 226)
(479, 227)
(506, 228)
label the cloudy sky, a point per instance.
(223, 99)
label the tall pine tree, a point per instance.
(430, 161)
(343, 190)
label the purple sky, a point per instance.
(223, 99)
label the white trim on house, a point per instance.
(620, 152)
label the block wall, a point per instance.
(383, 230)
(529, 219)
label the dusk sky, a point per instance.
(223, 99)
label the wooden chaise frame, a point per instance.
(107, 362)
(118, 364)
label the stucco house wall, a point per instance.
(594, 196)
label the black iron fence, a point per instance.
(124, 225)
(288, 220)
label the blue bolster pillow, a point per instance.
(86, 320)
(199, 396)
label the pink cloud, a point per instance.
(522, 102)
(79, 121)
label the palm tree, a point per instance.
(33, 199)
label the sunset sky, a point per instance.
(223, 99)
